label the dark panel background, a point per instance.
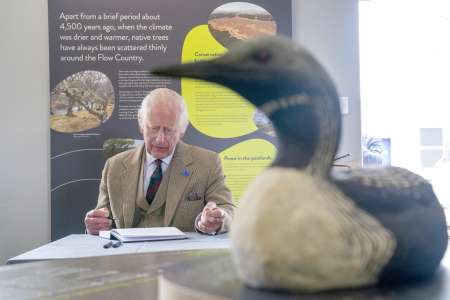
(76, 163)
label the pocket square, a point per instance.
(193, 196)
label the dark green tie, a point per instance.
(155, 181)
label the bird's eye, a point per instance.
(262, 56)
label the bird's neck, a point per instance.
(308, 135)
(328, 114)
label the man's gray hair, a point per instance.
(167, 95)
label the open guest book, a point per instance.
(147, 234)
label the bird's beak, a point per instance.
(210, 70)
(186, 70)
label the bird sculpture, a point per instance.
(299, 226)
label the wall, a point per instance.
(24, 184)
(327, 27)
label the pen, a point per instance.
(108, 245)
(116, 245)
(110, 217)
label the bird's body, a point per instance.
(405, 204)
(298, 226)
(297, 239)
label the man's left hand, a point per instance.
(211, 219)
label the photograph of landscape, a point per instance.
(237, 21)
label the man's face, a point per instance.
(161, 129)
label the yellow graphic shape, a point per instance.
(244, 161)
(214, 110)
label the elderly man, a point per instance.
(165, 182)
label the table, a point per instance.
(181, 281)
(84, 245)
(176, 274)
(112, 277)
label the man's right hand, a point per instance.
(96, 220)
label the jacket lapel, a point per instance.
(177, 181)
(131, 184)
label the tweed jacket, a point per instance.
(193, 178)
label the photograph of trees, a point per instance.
(82, 101)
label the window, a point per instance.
(405, 79)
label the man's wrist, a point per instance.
(197, 228)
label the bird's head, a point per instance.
(290, 86)
(260, 70)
